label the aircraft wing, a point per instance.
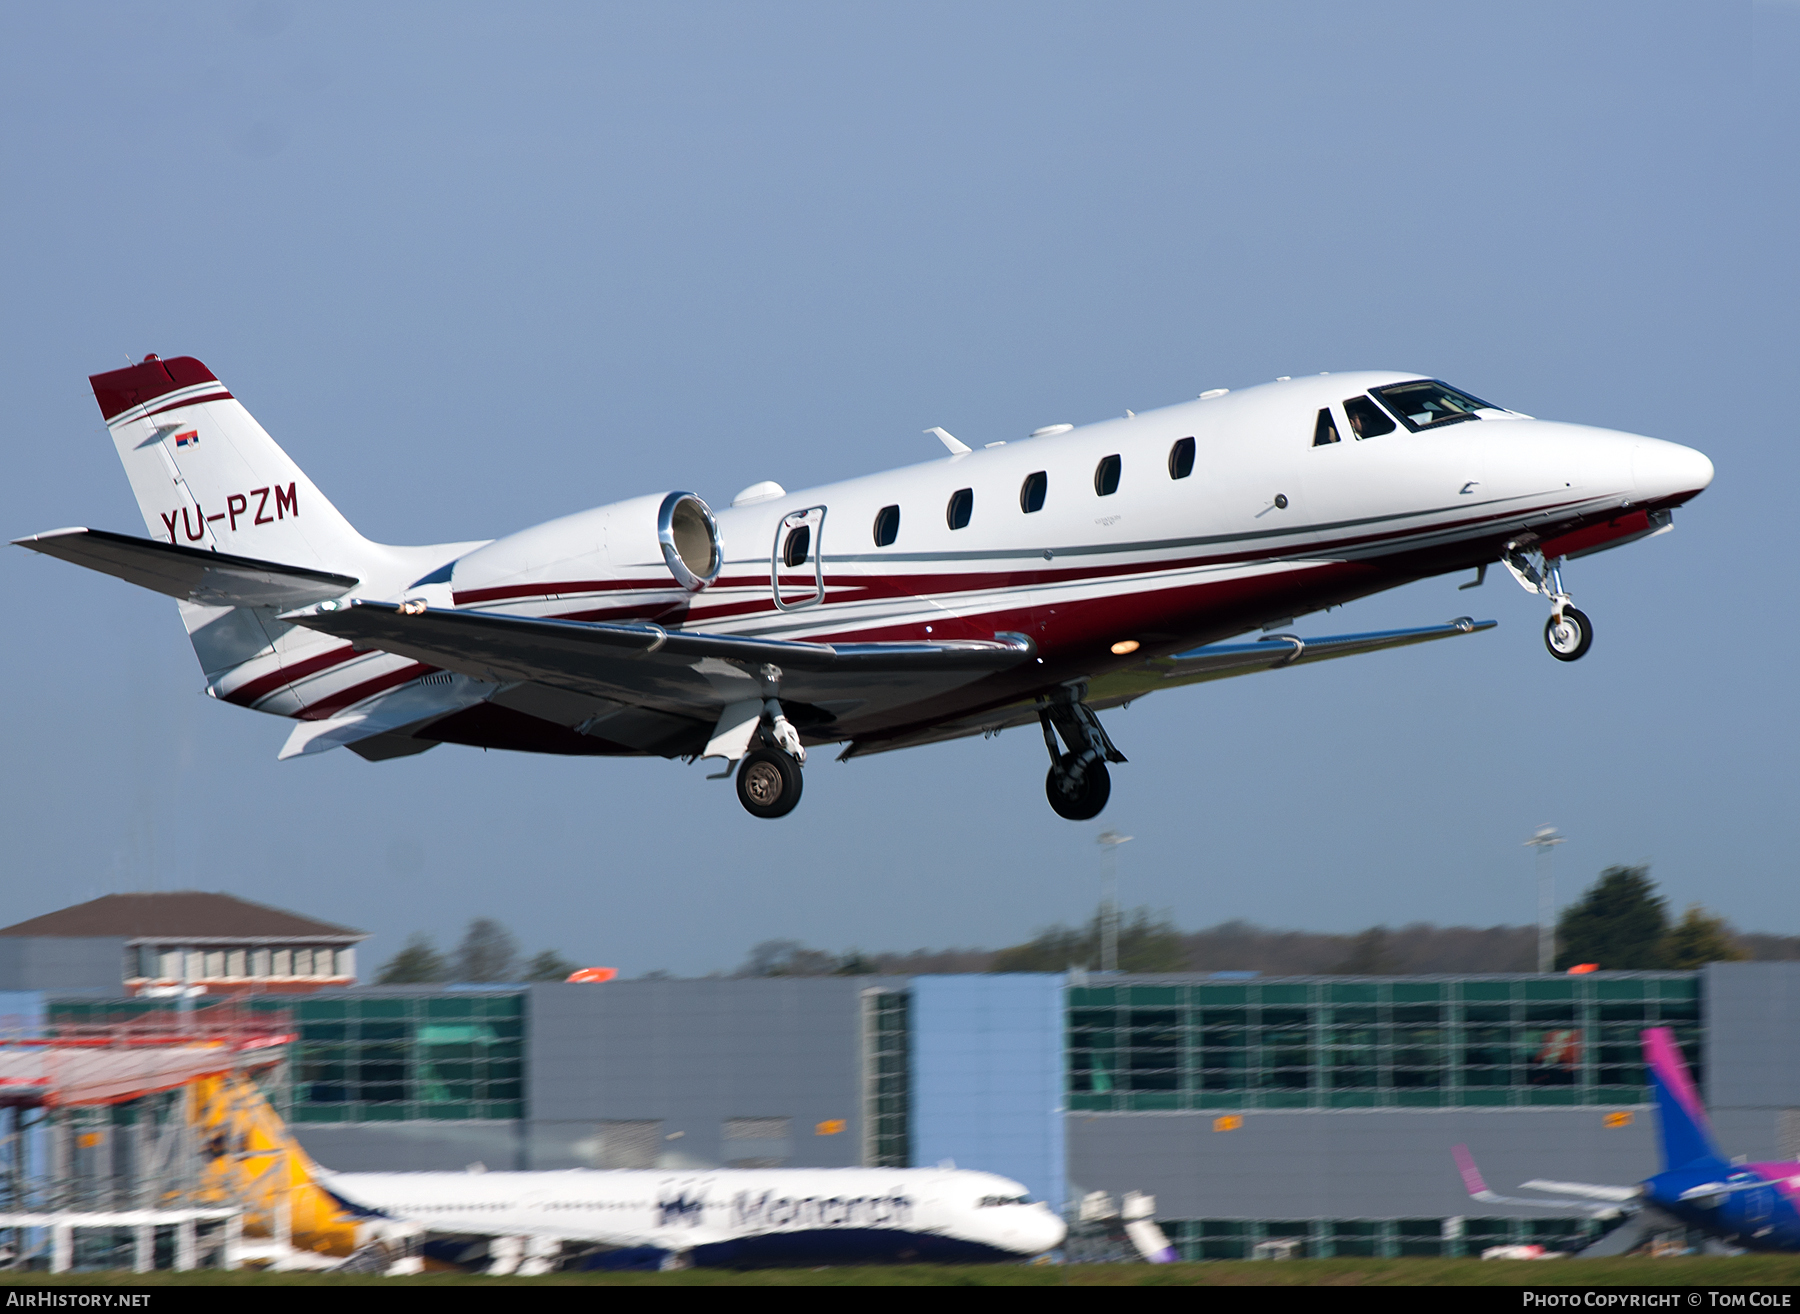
(1590, 1196)
(215, 579)
(1589, 1190)
(683, 672)
(1214, 662)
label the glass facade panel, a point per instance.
(1327, 1238)
(1373, 1043)
(887, 1134)
(421, 1057)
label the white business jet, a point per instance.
(731, 1217)
(1040, 580)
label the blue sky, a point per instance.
(475, 266)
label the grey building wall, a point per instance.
(689, 1056)
(63, 963)
(410, 1147)
(1378, 1164)
(1751, 1013)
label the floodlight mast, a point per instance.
(1109, 841)
(1544, 840)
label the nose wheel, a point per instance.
(1569, 636)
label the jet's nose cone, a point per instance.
(1044, 1231)
(1660, 469)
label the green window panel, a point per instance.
(887, 1138)
(1153, 996)
(1221, 996)
(407, 1058)
(1372, 1043)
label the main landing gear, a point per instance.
(1568, 634)
(1078, 784)
(768, 776)
(768, 783)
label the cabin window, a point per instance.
(1367, 420)
(962, 506)
(1426, 404)
(1325, 431)
(1181, 459)
(1106, 476)
(1031, 492)
(799, 541)
(887, 525)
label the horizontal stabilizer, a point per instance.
(213, 579)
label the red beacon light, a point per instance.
(1582, 969)
(594, 974)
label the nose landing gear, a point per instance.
(1568, 634)
(1078, 784)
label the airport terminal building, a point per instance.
(1318, 1109)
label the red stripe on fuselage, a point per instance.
(254, 691)
(852, 587)
(507, 591)
(337, 702)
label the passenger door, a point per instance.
(797, 563)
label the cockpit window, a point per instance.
(989, 1201)
(1426, 403)
(1325, 429)
(1367, 420)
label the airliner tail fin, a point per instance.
(1686, 1133)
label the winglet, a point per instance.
(956, 446)
(1471, 1175)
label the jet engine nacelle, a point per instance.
(664, 537)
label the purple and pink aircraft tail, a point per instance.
(1681, 1118)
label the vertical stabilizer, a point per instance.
(207, 475)
(1681, 1117)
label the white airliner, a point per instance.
(727, 1217)
(1038, 580)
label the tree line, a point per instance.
(488, 954)
(1619, 923)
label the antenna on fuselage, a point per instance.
(957, 446)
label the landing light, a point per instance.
(1124, 646)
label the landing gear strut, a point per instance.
(1079, 784)
(1568, 634)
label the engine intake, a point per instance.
(690, 540)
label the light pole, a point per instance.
(1544, 840)
(1109, 842)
